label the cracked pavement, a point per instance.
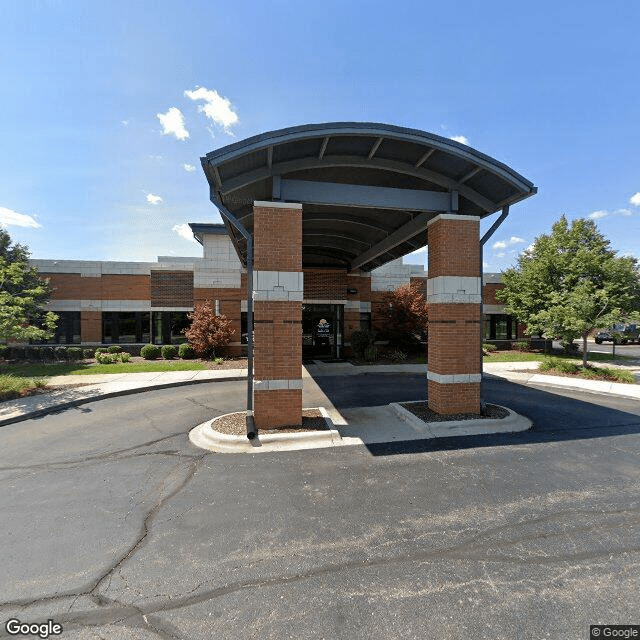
(115, 526)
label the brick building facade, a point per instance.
(142, 302)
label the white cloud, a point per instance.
(503, 244)
(152, 199)
(184, 231)
(215, 107)
(124, 123)
(596, 215)
(173, 123)
(635, 199)
(10, 218)
(624, 212)
(188, 167)
(462, 139)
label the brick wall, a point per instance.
(91, 326)
(274, 237)
(73, 286)
(332, 284)
(172, 289)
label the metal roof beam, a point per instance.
(404, 233)
(323, 148)
(377, 143)
(395, 166)
(356, 195)
(470, 175)
(424, 158)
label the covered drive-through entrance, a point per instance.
(353, 196)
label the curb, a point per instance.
(69, 404)
(483, 426)
(206, 437)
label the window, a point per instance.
(500, 327)
(168, 326)
(124, 327)
(365, 321)
(67, 329)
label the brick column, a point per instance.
(453, 295)
(91, 327)
(278, 291)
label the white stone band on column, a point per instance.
(280, 286)
(458, 378)
(454, 289)
(453, 216)
(276, 385)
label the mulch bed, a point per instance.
(235, 424)
(422, 411)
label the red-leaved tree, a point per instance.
(208, 332)
(405, 316)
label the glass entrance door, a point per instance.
(322, 330)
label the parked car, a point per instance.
(619, 334)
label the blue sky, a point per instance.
(107, 107)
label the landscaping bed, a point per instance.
(235, 424)
(421, 410)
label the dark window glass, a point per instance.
(365, 322)
(125, 327)
(67, 329)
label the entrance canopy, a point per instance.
(368, 190)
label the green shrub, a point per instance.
(106, 358)
(3, 350)
(114, 348)
(185, 351)
(371, 354)
(60, 353)
(360, 341)
(74, 353)
(125, 357)
(168, 351)
(559, 365)
(101, 350)
(150, 352)
(87, 353)
(520, 345)
(397, 356)
(489, 348)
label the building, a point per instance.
(102, 303)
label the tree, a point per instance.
(208, 331)
(405, 316)
(571, 282)
(23, 295)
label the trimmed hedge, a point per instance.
(150, 352)
(185, 351)
(168, 351)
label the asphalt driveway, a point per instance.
(115, 526)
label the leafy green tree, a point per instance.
(571, 282)
(23, 295)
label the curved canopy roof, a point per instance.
(368, 190)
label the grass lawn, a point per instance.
(15, 386)
(519, 356)
(37, 370)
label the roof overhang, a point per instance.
(368, 190)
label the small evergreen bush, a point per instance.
(360, 340)
(101, 350)
(520, 345)
(488, 347)
(168, 351)
(150, 352)
(124, 356)
(60, 353)
(397, 356)
(114, 348)
(185, 351)
(74, 353)
(371, 354)
(87, 353)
